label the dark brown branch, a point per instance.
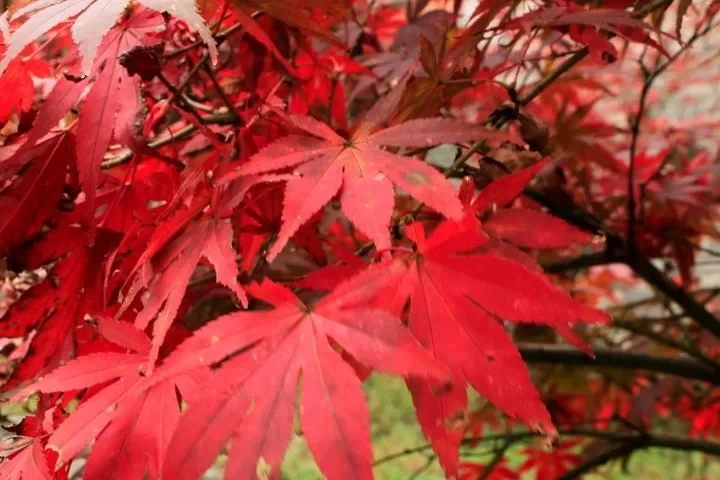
(690, 350)
(632, 442)
(221, 93)
(641, 265)
(682, 366)
(645, 269)
(582, 262)
(618, 451)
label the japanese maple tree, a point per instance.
(238, 211)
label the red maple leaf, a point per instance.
(583, 25)
(271, 350)
(129, 420)
(552, 464)
(27, 456)
(95, 19)
(18, 80)
(513, 224)
(184, 235)
(323, 162)
(110, 108)
(140, 195)
(461, 289)
(260, 216)
(72, 289)
(473, 471)
(28, 464)
(33, 196)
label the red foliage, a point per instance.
(242, 214)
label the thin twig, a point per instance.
(221, 93)
(649, 78)
(649, 440)
(215, 119)
(617, 451)
(689, 350)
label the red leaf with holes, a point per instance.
(29, 464)
(55, 307)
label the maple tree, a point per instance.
(241, 210)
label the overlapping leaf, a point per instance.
(32, 198)
(56, 306)
(130, 420)
(461, 289)
(94, 20)
(323, 162)
(172, 250)
(258, 386)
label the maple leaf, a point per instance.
(56, 306)
(130, 420)
(174, 248)
(153, 185)
(94, 20)
(113, 97)
(552, 464)
(25, 453)
(582, 25)
(273, 348)
(108, 109)
(456, 301)
(325, 162)
(499, 471)
(32, 198)
(317, 74)
(460, 289)
(512, 225)
(62, 97)
(393, 64)
(18, 78)
(260, 216)
(28, 464)
(299, 13)
(520, 226)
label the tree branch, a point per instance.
(641, 265)
(645, 269)
(649, 78)
(637, 440)
(682, 366)
(498, 118)
(582, 262)
(214, 119)
(617, 451)
(632, 442)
